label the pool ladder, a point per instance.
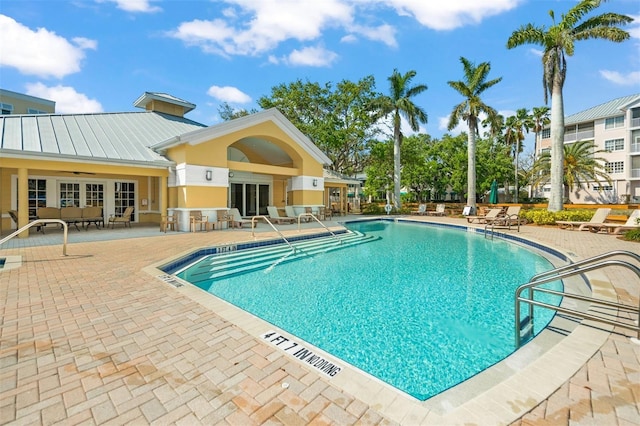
(524, 327)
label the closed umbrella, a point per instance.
(493, 195)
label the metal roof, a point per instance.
(111, 137)
(147, 97)
(608, 109)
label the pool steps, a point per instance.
(219, 266)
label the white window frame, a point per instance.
(614, 144)
(614, 167)
(614, 122)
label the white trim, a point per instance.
(305, 183)
(193, 175)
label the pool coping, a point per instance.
(528, 376)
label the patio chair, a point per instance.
(422, 209)
(125, 219)
(510, 218)
(236, 219)
(196, 218)
(275, 217)
(439, 211)
(633, 222)
(167, 221)
(491, 214)
(598, 218)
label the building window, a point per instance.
(6, 108)
(125, 196)
(69, 194)
(37, 195)
(614, 122)
(35, 111)
(545, 151)
(546, 133)
(602, 188)
(614, 145)
(614, 167)
(94, 193)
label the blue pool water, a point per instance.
(423, 308)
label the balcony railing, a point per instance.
(635, 122)
(578, 136)
(635, 147)
(635, 173)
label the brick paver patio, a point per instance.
(93, 339)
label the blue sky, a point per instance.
(101, 55)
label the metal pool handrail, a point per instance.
(266, 219)
(37, 222)
(567, 271)
(311, 215)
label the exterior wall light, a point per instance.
(230, 174)
(208, 175)
(315, 182)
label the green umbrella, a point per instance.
(493, 195)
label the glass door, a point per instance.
(249, 198)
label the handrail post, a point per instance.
(37, 222)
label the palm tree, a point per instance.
(540, 118)
(558, 41)
(516, 127)
(469, 110)
(399, 104)
(580, 166)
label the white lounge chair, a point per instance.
(616, 228)
(422, 209)
(598, 217)
(491, 214)
(236, 219)
(439, 211)
(274, 216)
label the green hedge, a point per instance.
(545, 217)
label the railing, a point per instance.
(635, 122)
(39, 222)
(311, 215)
(590, 264)
(635, 147)
(266, 219)
(576, 136)
(635, 173)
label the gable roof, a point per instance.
(605, 110)
(109, 137)
(203, 135)
(147, 97)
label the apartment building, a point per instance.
(19, 103)
(613, 126)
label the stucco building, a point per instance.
(615, 127)
(158, 161)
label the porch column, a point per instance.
(164, 195)
(23, 200)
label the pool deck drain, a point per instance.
(92, 338)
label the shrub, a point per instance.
(539, 216)
(632, 235)
(373, 209)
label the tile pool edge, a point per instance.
(534, 377)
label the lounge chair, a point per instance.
(439, 211)
(422, 209)
(616, 228)
(510, 218)
(236, 219)
(491, 214)
(598, 218)
(124, 219)
(274, 216)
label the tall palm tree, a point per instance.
(558, 41)
(580, 166)
(469, 110)
(516, 127)
(399, 104)
(540, 118)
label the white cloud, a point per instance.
(67, 100)
(312, 56)
(630, 79)
(142, 6)
(536, 52)
(450, 14)
(40, 52)
(634, 31)
(384, 33)
(229, 94)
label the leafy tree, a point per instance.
(379, 170)
(515, 128)
(558, 41)
(399, 104)
(336, 119)
(227, 112)
(580, 166)
(469, 110)
(418, 173)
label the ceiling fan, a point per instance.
(77, 173)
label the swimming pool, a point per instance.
(422, 308)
